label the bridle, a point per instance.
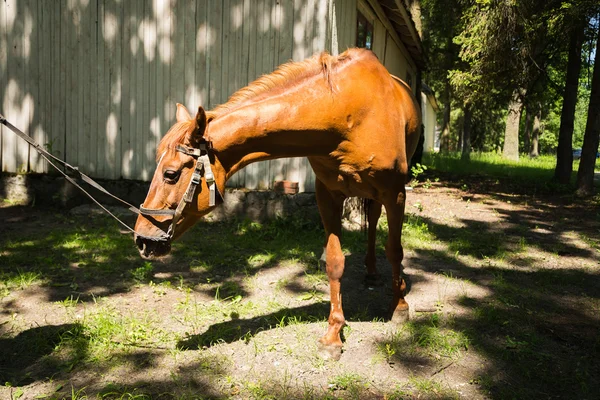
(201, 169)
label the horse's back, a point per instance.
(381, 126)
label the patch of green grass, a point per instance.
(527, 173)
(416, 233)
(431, 336)
(20, 279)
(351, 383)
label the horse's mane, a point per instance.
(285, 76)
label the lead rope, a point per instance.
(47, 156)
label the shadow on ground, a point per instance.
(536, 329)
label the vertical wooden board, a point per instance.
(103, 91)
(29, 89)
(189, 56)
(127, 95)
(248, 24)
(136, 92)
(55, 120)
(130, 46)
(309, 31)
(161, 70)
(12, 91)
(147, 139)
(112, 47)
(106, 42)
(214, 18)
(71, 81)
(286, 38)
(62, 121)
(203, 49)
(8, 138)
(320, 26)
(3, 73)
(88, 75)
(299, 47)
(46, 66)
(152, 59)
(139, 133)
(81, 86)
(37, 85)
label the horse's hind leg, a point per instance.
(395, 254)
(330, 207)
(373, 213)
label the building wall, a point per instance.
(429, 122)
(96, 81)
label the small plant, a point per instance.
(143, 273)
(418, 169)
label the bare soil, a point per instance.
(531, 261)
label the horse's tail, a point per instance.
(364, 212)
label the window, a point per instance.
(364, 32)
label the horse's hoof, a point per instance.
(399, 317)
(373, 280)
(330, 351)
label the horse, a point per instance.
(357, 124)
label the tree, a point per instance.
(441, 22)
(585, 174)
(564, 153)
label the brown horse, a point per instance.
(357, 124)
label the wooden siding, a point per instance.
(96, 81)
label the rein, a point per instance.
(202, 168)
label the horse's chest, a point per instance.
(350, 178)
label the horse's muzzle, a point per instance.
(152, 248)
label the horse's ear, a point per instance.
(182, 113)
(200, 123)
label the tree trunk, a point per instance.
(535, 132)
(564, 152)
(527, 133)
(585, 175)
(513, 119)
(445, 137)
(466, 136)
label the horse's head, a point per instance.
(184, 186)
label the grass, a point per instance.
(179, 328)
(524, 175)
(430, 336)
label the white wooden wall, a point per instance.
(96, 81)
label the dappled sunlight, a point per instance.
(252, 292)
(108, 95)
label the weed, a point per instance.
(143, 273)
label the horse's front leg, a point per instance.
(330, 207)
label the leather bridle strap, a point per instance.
(202, 168)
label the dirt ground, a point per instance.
(487, 250)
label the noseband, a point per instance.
(201, 169)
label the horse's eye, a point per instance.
(171, 175)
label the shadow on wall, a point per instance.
(96, 81)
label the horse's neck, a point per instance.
(273, 128)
